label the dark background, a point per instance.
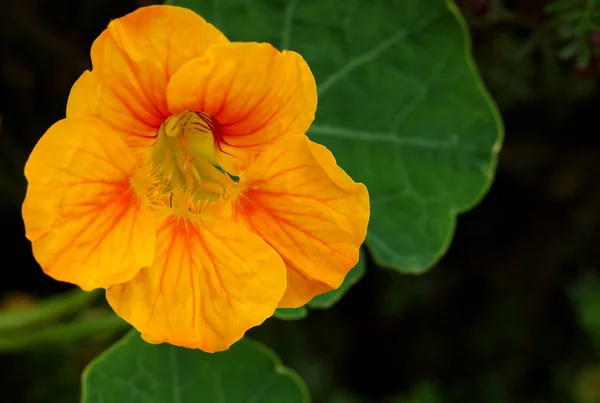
(510, 314)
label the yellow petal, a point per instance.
(133, 60)
(255, 93)
(91, 97)
(307, 208)
(86, 224)
(210, 282)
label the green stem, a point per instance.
(47, 310)
(64, 332)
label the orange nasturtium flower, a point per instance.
(182, 182)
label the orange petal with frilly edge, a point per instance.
(255, 94)
(133, 60)
(86, 224)
(210, 282)
(309, 210)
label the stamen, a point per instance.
(184, 175)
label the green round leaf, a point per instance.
(401, 106)
(291, 313)
(134, 371)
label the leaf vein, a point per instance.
(286, 30)
(371, 55)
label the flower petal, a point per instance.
(210, 282)
(91, 97)
(307, 208)
(133, 60)
(86, 224)
(256, 94)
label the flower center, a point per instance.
(184, 173)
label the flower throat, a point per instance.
(184, 169)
